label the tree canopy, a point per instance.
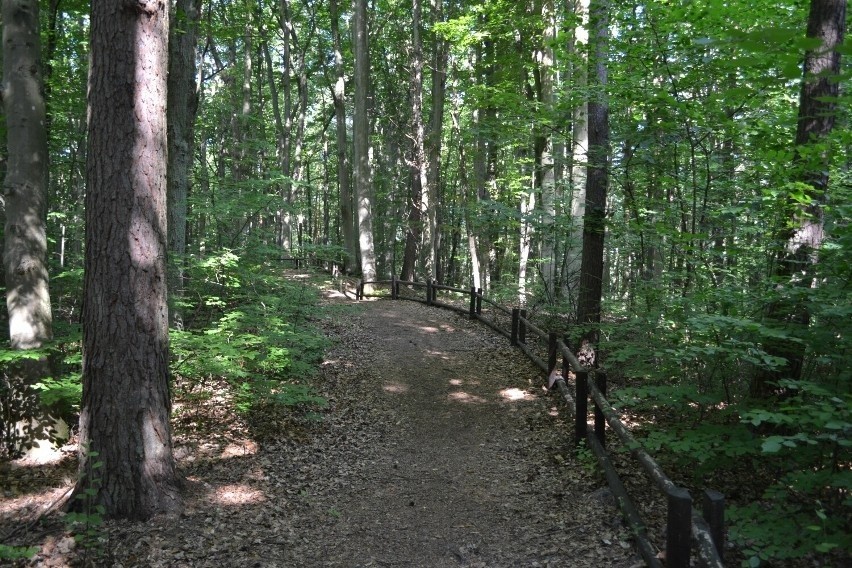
(453, 141)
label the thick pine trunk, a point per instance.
(125, 412)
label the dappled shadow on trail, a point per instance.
(448, 484)
(438, 448)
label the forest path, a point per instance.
(465, 466)
(438, 449)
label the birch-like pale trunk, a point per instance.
(579, 152)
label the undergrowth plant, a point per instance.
(684, 368)
(251, 328)
(17, 552)
(85, 521)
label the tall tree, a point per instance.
(25, 185)
(419, 234)
(802, 237)
(25, 247)
(361, 141)
(182, 108)
(434, 137)
(597, 178)
(347, 219)
(124, 421)
(579, 76)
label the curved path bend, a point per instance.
(438, 449)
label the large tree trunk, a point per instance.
(597, 179)
(182, 107)
(124, 422)
(361, 141)
(25, 185)
(23, 422)
(803, 237)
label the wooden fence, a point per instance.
(686, 528)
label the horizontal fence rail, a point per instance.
(684, 525)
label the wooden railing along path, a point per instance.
(685, 527)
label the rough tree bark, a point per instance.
(25, 185)
(361, 141)
(418, 241)
(597, 179)
(124, 422)
(440, 54)
(347, 219)
(579, 76)
(25, 247)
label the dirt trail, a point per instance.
(468, 471)
(438, 449)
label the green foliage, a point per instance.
(810, 429)
(261, 344)
(35, 405)
(782, 529)
(85, 522)
(17, 552)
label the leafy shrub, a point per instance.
(262, 343)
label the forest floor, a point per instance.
(438, 448)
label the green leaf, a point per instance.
(772, 444)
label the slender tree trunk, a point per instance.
(124, 421)
(803, 237)
(361, 141)
(579, 153)
(285, 158)
(347, 219)
(433, 141)
(594, 219)
(418, 159)
(182, 107)
(550, 153)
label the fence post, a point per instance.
(434, 292)
(478, 301)
(551, 351)
(522, 327)
(600, 419)
(582, 388)
(428, 291)
(714, 514)
(473, 302)
(359, 292)
(394, 289)
(513, 340)
(678, 528)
